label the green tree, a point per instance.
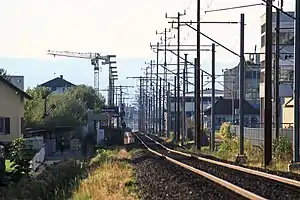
(70, 107)
(87, 95)
(34, 109)
(69, 111)
(4, 74)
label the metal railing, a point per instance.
(256, 135)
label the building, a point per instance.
(286, 46)
(11, 111)
(288, 113)
(58, 85)
(252, 75)
(225, 113)
(190, 103)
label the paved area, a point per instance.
(56, 157)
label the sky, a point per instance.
(124, 28)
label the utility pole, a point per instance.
(296, 85)
(152, 98)
(156, 103)
(241, 83)
(165, 83)
(277, 55)
(140, 106)
(213, 118)
(146, 101)
(175, 107)
(268, 87)
(159, 108)
(177, 135)
(202, 106)
(168, 110)
(195, 104)
(183, 102)
(198, 119)
(178, 78)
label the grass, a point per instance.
(113, 180)
(254, 156)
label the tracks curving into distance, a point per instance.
(245, 182)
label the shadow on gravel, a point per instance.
(158, 179)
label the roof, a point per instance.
(12, 86)
(57, 82)
(224, 107)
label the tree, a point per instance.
(69, 111)
(87, 95)
(34, 109)
(70, 107)
(3, 74)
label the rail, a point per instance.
(217, 180)
(235, 167)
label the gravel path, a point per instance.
(258, 185)
(158, 179)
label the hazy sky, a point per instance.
(121, 27)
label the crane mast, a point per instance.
(93, 57)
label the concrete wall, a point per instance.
(12, 106)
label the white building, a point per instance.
(286, 57)
(190, 101)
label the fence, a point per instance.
(256, 135)
(38, 158)
(36, 142)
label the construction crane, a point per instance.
(93, 57)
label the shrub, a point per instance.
(228, 148)
(2, 164)
(282, 149)
(225, 131)
(53, 183)
(21, 154)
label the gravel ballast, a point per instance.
(261, 186)
(160, 180)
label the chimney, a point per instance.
(61, 76)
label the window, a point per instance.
(22, 125)
(263, 28)
(249, 74)
(285, 38)
(262, 77)
(263, 41)
(1, 125)
(4, 125)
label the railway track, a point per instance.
(245, 182)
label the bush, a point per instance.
(283, 149)
(51, 183)
(21, 155)
(2, 164)
(225, 131)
